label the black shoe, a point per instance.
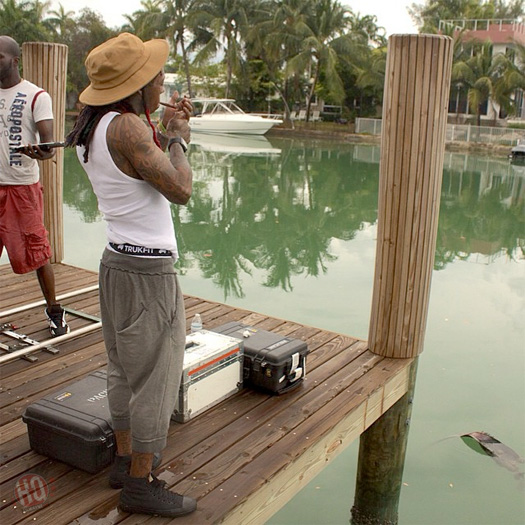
(142, 496)
(56, 317)
(120, 469)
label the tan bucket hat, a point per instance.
(121, 66)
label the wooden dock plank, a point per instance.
(281, 455)
(210, 427)
(242, 459)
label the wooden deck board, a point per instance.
(242, 459)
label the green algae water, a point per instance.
(287, 227)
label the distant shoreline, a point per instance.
(345, 133)
(348, 136)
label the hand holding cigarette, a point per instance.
(182, 108)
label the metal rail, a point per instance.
(33, 348)
(43, 302)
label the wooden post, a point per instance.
(45, 65)
(382, 449)
(417, 84)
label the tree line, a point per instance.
(291, 50)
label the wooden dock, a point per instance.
(242, 460)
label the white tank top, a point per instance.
(134, 211)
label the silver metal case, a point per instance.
(212, 372)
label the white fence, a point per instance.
(456, 132)
(485, 134)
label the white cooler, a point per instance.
(212, 371)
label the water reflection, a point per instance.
(276, 213)
(234, 144)
(276, 205)
(78, 193)
(482, 210)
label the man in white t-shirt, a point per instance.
(26, 119)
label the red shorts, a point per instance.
(22, 230)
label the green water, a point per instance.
(288, 228)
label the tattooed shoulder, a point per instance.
(130, 143)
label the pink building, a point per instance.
(502, 33)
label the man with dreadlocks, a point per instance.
(142, 307)
(26, 118)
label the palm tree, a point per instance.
(482, 76)
(366, 27)
(460, 53)
(326, 41)
(219, 25)
(364, 70)
(60, 21)
(275, 38)
(427, 14)
(513, 73)
(371, 73)
(146, 22)
(24, 20)
(176, 21)
(166, 19)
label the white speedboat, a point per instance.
(222, 115)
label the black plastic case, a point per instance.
(272, 362)
(73, 425)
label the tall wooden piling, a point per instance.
(417, 84)
(382, 451)
(45, 65)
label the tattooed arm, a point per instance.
(132, 148)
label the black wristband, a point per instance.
(178, 140)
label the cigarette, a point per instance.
(169, 105)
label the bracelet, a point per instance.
(161, 128)
(180, 141)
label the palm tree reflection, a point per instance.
(274, 209)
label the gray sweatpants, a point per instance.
(143, 324)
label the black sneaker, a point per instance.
(120, 469)
(142, 496)
(57, 320)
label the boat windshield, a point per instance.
(217, 107)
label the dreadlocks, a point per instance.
(87, 121)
